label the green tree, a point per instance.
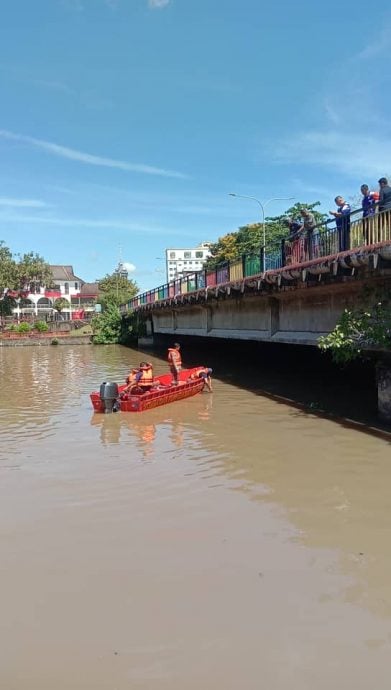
(18, 274)
(60, 304)
(107, 326)
(115, 289)
(32, 268)
(358, 329)
(8, 272)
(248, 239)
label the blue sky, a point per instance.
(127, 122)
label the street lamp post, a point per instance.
(263, 206)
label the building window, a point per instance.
(187, 255)
(76, 286)
(66, 287)
(199, 255)
(172, 255)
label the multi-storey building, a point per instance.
(39, 300)
(180, 262)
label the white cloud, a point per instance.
(129, 267)
(380, 45)
(353, 134)
(158, 4)
(88, 158)
(22, 203)
(349, 153)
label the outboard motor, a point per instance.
(109, 395)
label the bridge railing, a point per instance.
(350, 233)
(325, 240)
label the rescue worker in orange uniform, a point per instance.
(204, 373)
(175, 362)
(142, 377)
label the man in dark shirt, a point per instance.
(385, 195)
(295, 228)
(342, 221)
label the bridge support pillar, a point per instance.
(384, 390)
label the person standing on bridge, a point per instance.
(385, 195)
(175, 361)
(369, 201)
(342, 221)
(368, 205)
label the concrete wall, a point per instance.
(298, 316)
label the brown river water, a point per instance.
(226, 542)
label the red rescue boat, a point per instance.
(163, 391)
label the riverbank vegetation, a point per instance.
(360, 329)
(114, 290)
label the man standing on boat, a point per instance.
(175, 361)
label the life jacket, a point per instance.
(132, 376)
(174, 357)
(147, 376)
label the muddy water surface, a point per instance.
(228, 541)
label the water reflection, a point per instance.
(142, 429)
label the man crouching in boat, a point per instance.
(175, 362)
(206, 374)
(140, 378)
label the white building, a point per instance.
(39, 300)
(180, 262)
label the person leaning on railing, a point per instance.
(309, 225)
(295, 232)
(369, 203)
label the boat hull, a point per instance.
(167, 393)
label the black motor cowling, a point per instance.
(109, 394)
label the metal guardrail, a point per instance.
(321, 241)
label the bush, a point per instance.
(54, 341)
(41, 326)
(107, 326)
(12, 327)
(357, 329)
(23, 327)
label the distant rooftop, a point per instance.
(89, 289)
(64, 273)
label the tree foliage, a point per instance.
(18, 272)
(32, 268)
(107, 326)
(248, 239)
(60, 304)
(115, 289)
(358, 329)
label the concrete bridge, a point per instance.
(293, 304)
